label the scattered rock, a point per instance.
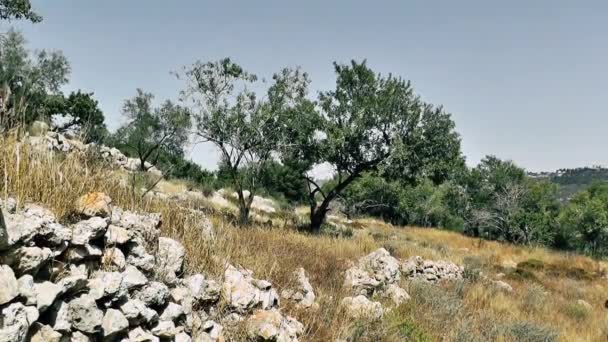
(169, 259)
(46, 293)
(85, 231)
(116, 235)
(114, 323)
(302, 293)
(362, 308)
(430, 271)
(153, 294)
(44, 333)
(15, 321)
(396, 294)
(502, 286)
(27, 259)
(270, 325)
(84, 314)
(114, 258)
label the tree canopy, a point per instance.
(18, 9)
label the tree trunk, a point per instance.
(244, 207)
(317, 216)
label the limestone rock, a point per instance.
(270, 325)
(396, 294)
(84, 314)
(46, 293)
(116, 235)
(9, 286)
(302, 293)
(85, 231)
(430, 271)
(360, 281)
(94, 204)
(164, 329)
(140, 258)
(133, 278)
(27, 259)
(114, 258)
(15, 322)
(502, 286)
(172, 312)
(153, 294)
(114, 322)
(362, 308)
(242, 295)
(137, 312)
(141, 335)
(44, 333)
(169, 259)
(203, 290)
(60, 317)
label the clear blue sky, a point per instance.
(525, 80)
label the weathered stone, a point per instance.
(302, 292)
(203, 290)
(108, 284)
(362, 308)
(79, 253)
(116, 235)
(85, 231)
(44, 333)
(133, 278)
(502, 286)
(94, 204)
(360, 281)
(137, 312)
(72, 283)
(114, 322)
(270, 325)
(183, 337)
(140, 258)
(77, 336)
(164, 329)
(46, 293)
(153, 294)
(396, 294)
(9, 286)
(60, 317)
(15, 321)
(27, 259)
(172, 312)
(114, 258)
(140, 335)
(142, 227)
(84, 314)
(169, 259)
(238, 291)
(26, 288)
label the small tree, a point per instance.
(149, 130)
(363, 124)
(79, 112)
(230, 117)
(18, 9)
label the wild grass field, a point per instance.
(550, 294)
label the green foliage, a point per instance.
(584, 221)
(79, 113)
(530, 332)
(27, 79)
(150, 132)
(576, 311)
(18, 9)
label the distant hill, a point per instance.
(573, 180)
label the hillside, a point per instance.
(571, 181)
(404, 283)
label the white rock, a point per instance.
(9, 286)
(172, 312)
(396, 294)
(238, 291)
(203, 290)
(114, 322)
(153, 294)
(164, 329)
(133, 278)
(15, 322)
(270, 325)
(502, 286)
(169, 259)
(108, 284)
(77, 336)
(140, 335)
(60, 316)
(84, 314)
(584, 304)
(85, 231)
(46, 293)
(182, 337)
(362, 308)
(137, 312)
(360, 281)
(27, 259)
(114, 258)
(94, 204)
(44, 333)
(302, 293)
(72, 283)
(116, 235)
(138, 257)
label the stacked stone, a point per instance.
(96, 280)
(431, 271)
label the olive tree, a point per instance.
(231, 117)
(149, 131)
(360, 126)
(18, 9)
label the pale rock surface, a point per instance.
(271, 325)
(44, 333)
(169, 259)
(9, 286)
(360, 307)
(15, 322)
(114, 322)
(84, 314)
(94, 204)
(302, 293)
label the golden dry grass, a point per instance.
(464, 311)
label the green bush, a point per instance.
(530, 332)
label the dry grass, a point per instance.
(541, 305)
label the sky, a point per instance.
(524, 80)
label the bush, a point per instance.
(472, 268)
(530, 332)
(576, 311)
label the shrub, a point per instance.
(530, 332)
(576, 311)
(472, 268)
(534, 299)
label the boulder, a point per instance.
(9, 286)
(360, 307)
(502, 286)
(302, 292)
(59, 317)
(84, 314)
(27, 259)
(382, 266)
(133, 278)
(141, 335)
(153, 294)
(137, 312)
(396, 294)
(109, 284)
(360, 281)
(114, 259)
(164, 329)
(46, 293)
(169, 259)
(116, 235)
(88, 230)
(94, 204)
(270, 325)
(15, 322)
(139, 257)
(240, 293)
(114, 323)
(44, 333)
(203, 290)
(172, 312)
